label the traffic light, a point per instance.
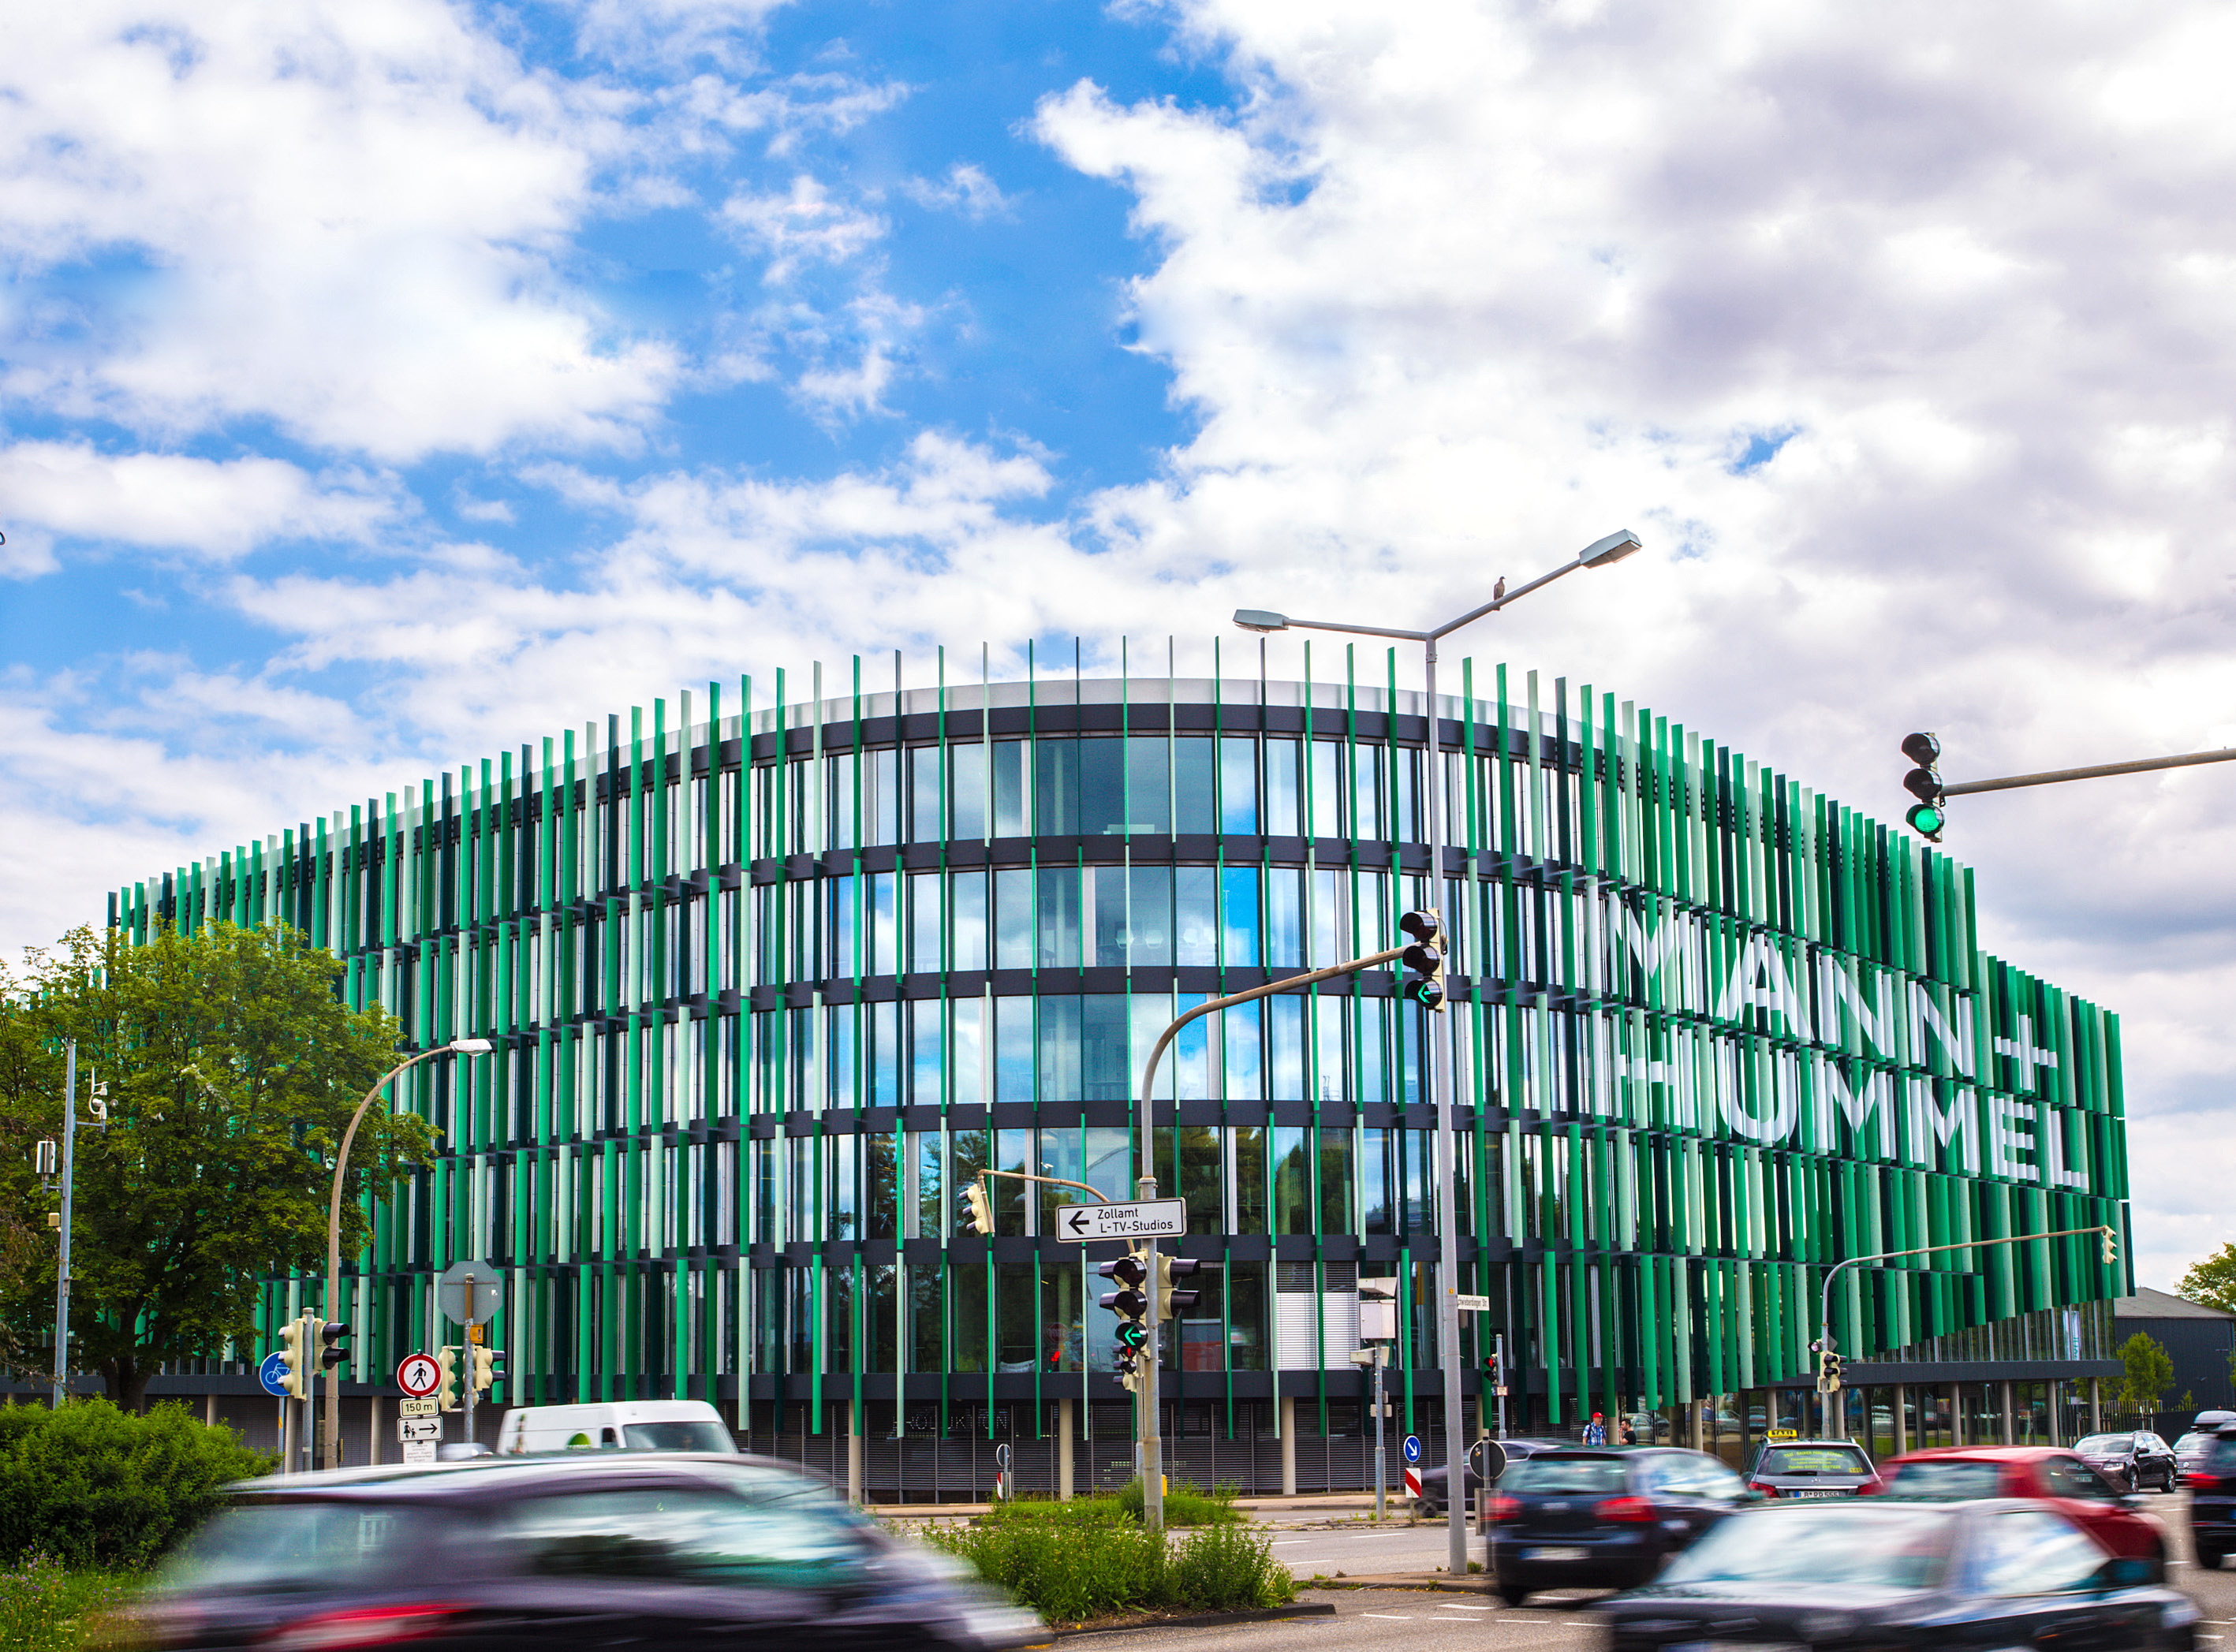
(1828, 1372)
(1424, 959)
(977, 1210)
(1130, 1301)
(334, 1334)
(2111, 1246)
(446, 1392)
(295, 1357)
(1926, 816)
(487, 1367)
(1170, 1301)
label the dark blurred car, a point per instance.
(2192, 1449)
(1430, 1502)
(553, 1553)
(1812, 1468)
(2139, 1461)
(1594, 1518)
(2213, 1501)
(1958, 1473)
(1872, 1572)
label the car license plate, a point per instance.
(1554, 1554)
(1736, 1646)
(1816, 1494)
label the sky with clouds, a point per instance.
(385, 383)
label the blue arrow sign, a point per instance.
(272, 1374)
(1412, 1448)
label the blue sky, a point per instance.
(384, 382)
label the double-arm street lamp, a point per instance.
(1600, 553)
(330, 1435)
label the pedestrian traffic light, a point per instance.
(1170, 1301)
(1424, 959)
(2111, 1246)
(977, 1210)
(294, 1356)
(1926, 816)
(487, 1367)
(334, 1335)
(446, 1392)
(1127, 1362)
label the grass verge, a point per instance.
(46, 1607)
(1093, 1564)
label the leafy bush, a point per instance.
(1187, 1505)
(1091, 1561)
(96, 1488)
(46, 1608)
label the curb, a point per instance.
(1474, 1583)
(1208, 1619)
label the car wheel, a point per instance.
(1425, 1510)
(1512, 1593)
(2209, 1559)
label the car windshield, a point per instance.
(2108, 1445)
(677, 1437)
(1560, 1473)
(300, 1543)
(1821, 1543)
(1930, 1482)
(762, 1530)
(1811, 1459)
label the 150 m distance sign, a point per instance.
(1145, 1219)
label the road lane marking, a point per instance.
(1454, 1606)
(1393, 1616)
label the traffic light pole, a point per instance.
(330, 1438)
(1825, 1315)
(1146, 1432)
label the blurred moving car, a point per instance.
(2138, 1461)
(596, 1549)
(1811, 1468)
(1594, 1518)
(1960, 1473)
(2190, 1450)
(1430, 1504)
(1879, 1573)
(2213, 1501)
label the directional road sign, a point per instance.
(1412, 1448)
(411, 1428)
(417, 1374)
(1151, 1219)
(272, 1374)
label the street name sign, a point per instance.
(1475, 1304)
(1149, 1219)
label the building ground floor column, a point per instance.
(1901, 1419)
(853, 1453)
(1063, 1434)
(2095, 1404)
(1288, 1447)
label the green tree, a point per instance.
(230, 1067)
(2147, 1372)
(2213, 1281)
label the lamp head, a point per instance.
(1260, 619)
(1602, 551)
(471, 1046)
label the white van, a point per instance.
(624, 1426)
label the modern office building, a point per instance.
(770, 974)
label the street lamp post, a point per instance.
(330, 1435)
(1601, 552)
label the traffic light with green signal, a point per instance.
(1423, 960)
(1927, 815)
(1131, 1273)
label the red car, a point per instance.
(1961, 1473)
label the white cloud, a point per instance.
(218, 509)
(802, 226)
(340, 216)
(965, 189)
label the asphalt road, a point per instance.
(1362, 1553)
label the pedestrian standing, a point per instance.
(1595, 1431)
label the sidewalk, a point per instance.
(1304, 1503)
